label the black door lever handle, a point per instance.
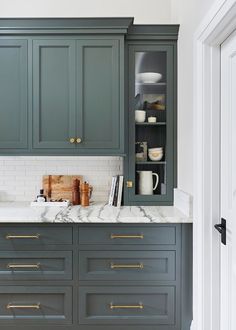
(221, 228)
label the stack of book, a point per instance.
(115, 197)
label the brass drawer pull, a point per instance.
(19, 266)
(78, 140)
(9, 236)
(141, 236)
(115, 266)
(139, 306)
(12, 306)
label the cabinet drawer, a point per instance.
(35, 304)
(163, 235)
(127, 305)
(127, 265)
(36, 265)
(34, 236)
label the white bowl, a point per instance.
(155, 149)
(148, 77)
(154, 154)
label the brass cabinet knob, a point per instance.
(129, 184)
(78, 140)
(72, 140)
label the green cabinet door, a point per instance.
(13, 94)
(53, 93)
(150, 166)
(99, 97)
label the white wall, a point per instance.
(144, 11)
(188, 13)
(21, 177)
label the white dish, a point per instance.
(155, 157)
(148, 77)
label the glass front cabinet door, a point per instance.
(151, 120)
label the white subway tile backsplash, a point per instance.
(21, 176)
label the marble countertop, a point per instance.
(22, 212)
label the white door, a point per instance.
(228, 182)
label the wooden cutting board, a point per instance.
(59, 186)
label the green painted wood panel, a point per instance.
(165, 135)
(98, 94)
(120, 265)
(13, 94)
(167, 300)
(53, 93)
(55, 305)
(52, 265)
(138, 235)
(158, 305)
(39, 236)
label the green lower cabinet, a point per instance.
(13, 94)
(96, 277)
(127, 305)
(36, 265)
(35, 305)
(118, 265)
(117, 235)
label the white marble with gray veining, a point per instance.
(96, 213)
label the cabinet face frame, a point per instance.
(171, 122)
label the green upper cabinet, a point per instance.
(62, 86)
(77, 99)
(99, 106)
(13, 94)
(53, 93)
(71, 86)
(150, 168)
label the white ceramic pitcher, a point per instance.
(146, 182)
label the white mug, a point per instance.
(140, 116)
(146, 182)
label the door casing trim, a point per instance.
(217, 25)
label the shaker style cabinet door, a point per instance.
(13, 94)
(99, 98)
(152, 106)
(53, 93)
